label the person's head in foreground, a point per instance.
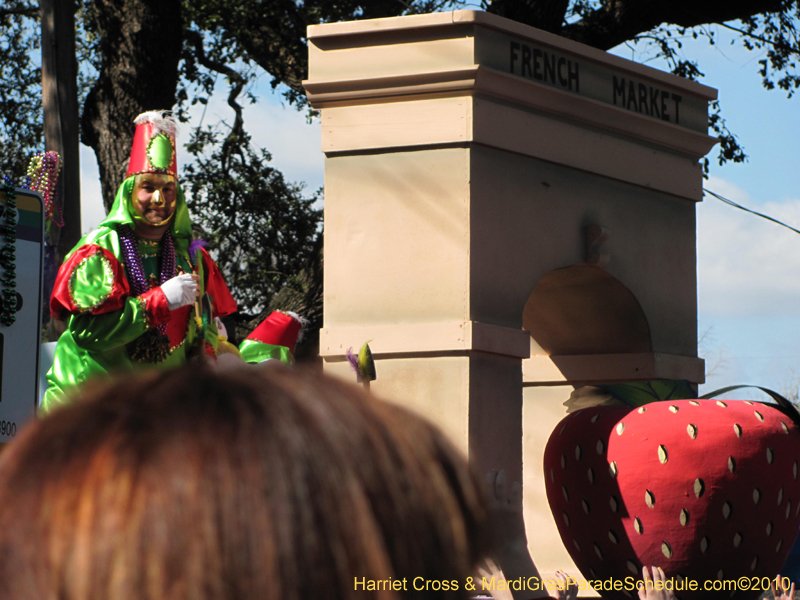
(191, 484)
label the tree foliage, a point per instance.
(21, 120)
(260, 228)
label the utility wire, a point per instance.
(752, 212)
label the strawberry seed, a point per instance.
(691, 430)
(726, 510)
(666, 549)
(704, 545)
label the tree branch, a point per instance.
(29, 11)
(618, 21)
(237, 85)
(548, 15)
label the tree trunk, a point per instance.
(141, 46)
(60, 105)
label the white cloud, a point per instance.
(745, 264)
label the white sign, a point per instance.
(21, 250)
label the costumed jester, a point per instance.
(127, 290)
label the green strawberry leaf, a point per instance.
(637, 394)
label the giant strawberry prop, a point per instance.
(705, 489)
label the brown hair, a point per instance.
(192, 484)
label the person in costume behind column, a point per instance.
(273, 340)
(127, 290)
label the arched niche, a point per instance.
(582, 309)
(587, 327)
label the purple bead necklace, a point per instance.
(134, 267)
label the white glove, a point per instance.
(221, 330)
(180, 291)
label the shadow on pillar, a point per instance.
(582, 310)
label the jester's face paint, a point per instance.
(153, 199)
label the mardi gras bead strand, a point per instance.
(43, 171)
(8, 258)
(134, 266)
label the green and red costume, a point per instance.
(106, 322)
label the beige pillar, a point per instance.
(482, 176)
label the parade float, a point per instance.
(509, 218)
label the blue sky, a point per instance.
(748, 269)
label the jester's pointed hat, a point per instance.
(279, 329)
(153, 148)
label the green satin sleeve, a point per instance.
(91, 282)
(101, 333)
(253, 351)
